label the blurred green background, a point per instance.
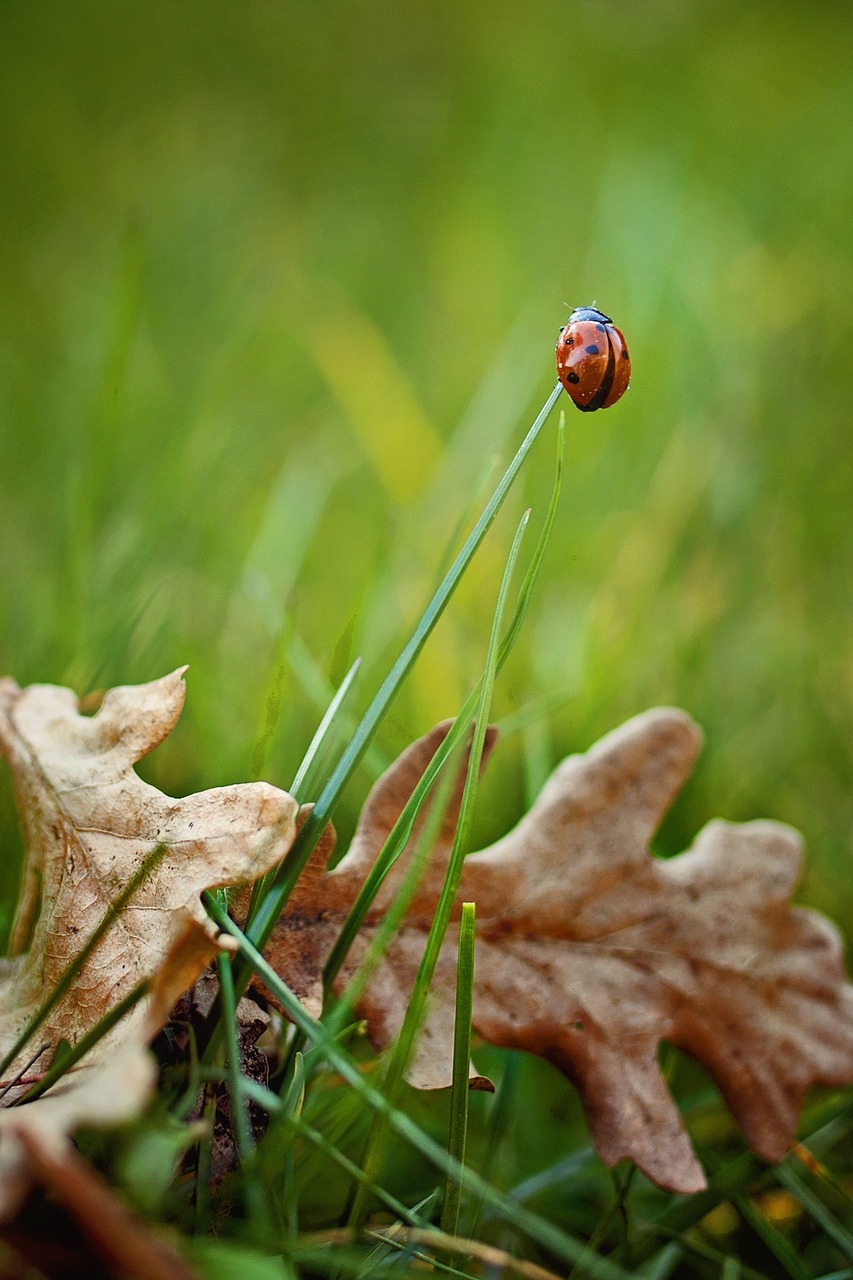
(279, 289)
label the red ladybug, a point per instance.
(592, 360)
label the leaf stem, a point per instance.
(458, 1129)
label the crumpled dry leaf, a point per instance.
(590, 951)
(90, 824)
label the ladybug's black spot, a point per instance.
(601, 328)
(625, 355)
(570, 342)
(592, 350)
(573, 377)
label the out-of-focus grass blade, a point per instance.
(779, 1246)
(814, 1207)
(556, 1174)
(662, 1265)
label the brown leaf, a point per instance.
(590, 951)
(90, 825)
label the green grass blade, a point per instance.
(779, 1246)
(291, 868)
(329, 716)
(402, 1051)
(393, 918)
(239, 1111)
(815, 1208)
(293, 1095)
(352, 1170)
(400, 832)
(662, 1265)
(323, 728)
(458, 1131)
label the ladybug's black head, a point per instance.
(589, 313)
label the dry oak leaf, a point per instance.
(91, 826)
(590, 950)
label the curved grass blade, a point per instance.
(329, 716)
(402, 829)
(269, 909)
(402, 1051)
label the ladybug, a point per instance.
(592, 360)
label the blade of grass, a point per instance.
(662, 1265)
(815, 1208)
(393, 918)
(779, 1246)
(270, 907)
(692, 1244)
(203, 1168)
(498, 1119)
(352, 1170)
(458, 1130)
(555, 1175)
(329, 717)
(736, 1177)
(402, 1051)
(557, 1241)
(401, 831)
(239, 1108)
(431, 1237)
(323, 728)
(251, 1187)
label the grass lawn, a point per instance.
(279, 289)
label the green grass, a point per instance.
(279, 286)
